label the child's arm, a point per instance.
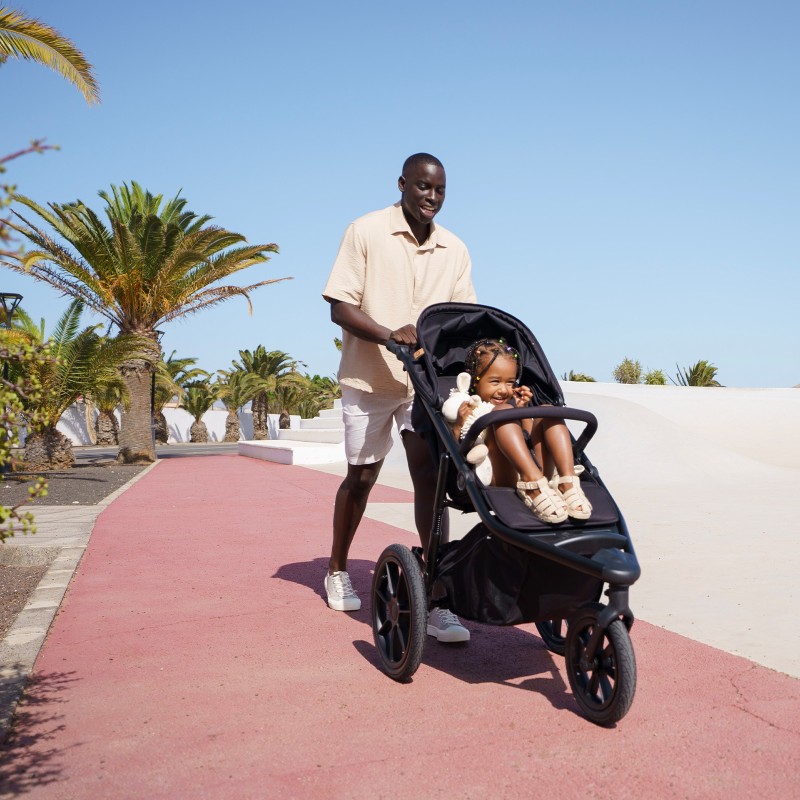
(463, 412)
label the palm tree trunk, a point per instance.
(136, 433)
(46, 451)
(198, 432)
(260, 416)
(162, 431)
(233, 428)
(106, 429)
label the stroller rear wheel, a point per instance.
(399, 612)
(553, 633)
(603, 686)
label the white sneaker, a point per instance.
(341, 595)
(445, 626)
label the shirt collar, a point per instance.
(400, 225)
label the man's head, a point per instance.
(422, 186)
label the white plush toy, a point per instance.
(479, 452)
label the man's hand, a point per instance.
(405, 335)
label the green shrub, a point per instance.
(655, 377)
(628, 371)
(16, 392)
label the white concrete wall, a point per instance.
(73, 424)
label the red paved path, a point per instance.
(194, 657)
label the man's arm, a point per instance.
(355, 321)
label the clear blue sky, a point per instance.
(625, 174)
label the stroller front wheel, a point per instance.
(399, 612)
(604, 685)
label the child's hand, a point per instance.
(464, 410)
(523, 395)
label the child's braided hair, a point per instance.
(482, 354)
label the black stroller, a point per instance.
(510, 568)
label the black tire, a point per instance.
(603, 689)
(553, 633)
(399, 612)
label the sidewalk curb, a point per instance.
(20, 646)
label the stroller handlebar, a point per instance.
(396, 348)
(533, 412)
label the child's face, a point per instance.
(497, 384)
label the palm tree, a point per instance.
(272, 368)
(702, 373)
(578, 377)
(234, 389)
(107, 397)
(288, 394)
(199, 397)
(154, 262)
(29, 39)
(321, 393)
(83, 362)
(172, 376)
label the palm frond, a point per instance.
(32, 40)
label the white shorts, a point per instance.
(368, 424)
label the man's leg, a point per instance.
(351, 501)
(424, 472)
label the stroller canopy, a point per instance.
(446, 330)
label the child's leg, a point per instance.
(513, 465)
(540, 452)
(511, 459)
(558, 445)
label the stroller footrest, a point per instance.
(619, 567)
(591, 541)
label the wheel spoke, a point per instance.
(594, 682)
(383, 594)
(391, 579)
(606, 688)
(382, 626)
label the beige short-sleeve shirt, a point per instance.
(382, 270)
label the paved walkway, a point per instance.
(194, 656)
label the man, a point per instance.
(391, 265)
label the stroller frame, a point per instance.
(600, 661)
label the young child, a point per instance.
(495, 370)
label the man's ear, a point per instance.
(401, 183)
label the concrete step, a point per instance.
(327, 413)
(327, 435)
(293, 452)
(322, 423)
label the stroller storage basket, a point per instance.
(492, 581)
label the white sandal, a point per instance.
(547, 505)
(578, 505)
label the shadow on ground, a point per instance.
(512, 656)
(27, 762)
